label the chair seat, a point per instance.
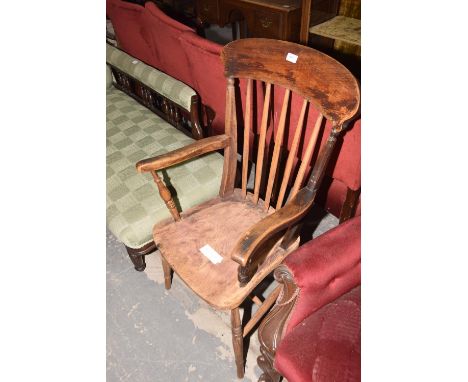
(325, 346)
(133, 202)
(340, 28)
(218, 223)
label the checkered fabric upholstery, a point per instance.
(169, 87)
(133, 201)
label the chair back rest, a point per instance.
(166, 45)
(321, 85)
(130, 30)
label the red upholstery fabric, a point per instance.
(326, 346)
(325, 268)
(207, 70)
(130, 30)
(166, 45)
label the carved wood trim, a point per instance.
(272, 328)
(187, 121)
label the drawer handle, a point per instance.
(266, 22)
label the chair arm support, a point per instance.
(183, 154)
(293, 211)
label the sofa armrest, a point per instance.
(169, 87)
(325, 268)
(183, 154)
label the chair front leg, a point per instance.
(237, 341)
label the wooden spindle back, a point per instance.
(321, 82)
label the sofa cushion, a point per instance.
(133, 202)
(130, 31)
(165, 32)
(208, 72)
(326, 346)
(167, 86)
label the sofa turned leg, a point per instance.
(137, 255)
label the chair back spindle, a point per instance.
(307, 156)
(292, 155)
(261, 143)
(247, 128)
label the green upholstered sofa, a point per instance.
(149, 113)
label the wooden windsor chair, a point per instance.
(251, 236)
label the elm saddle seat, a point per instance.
(254, 232)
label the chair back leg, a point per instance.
(167, 273)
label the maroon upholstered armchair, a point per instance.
(313, 333)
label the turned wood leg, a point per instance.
(167, 273)
(237, 341)
(137, 255)
(349, 206)
(271, 329)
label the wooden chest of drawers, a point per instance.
(278, 19)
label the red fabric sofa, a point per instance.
(316, 320)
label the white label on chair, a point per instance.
(291, 58)
(135, 62)
(211, 254)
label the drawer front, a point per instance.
(267, 24)
(207, 10)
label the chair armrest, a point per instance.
(281, 219)
(183, 154)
